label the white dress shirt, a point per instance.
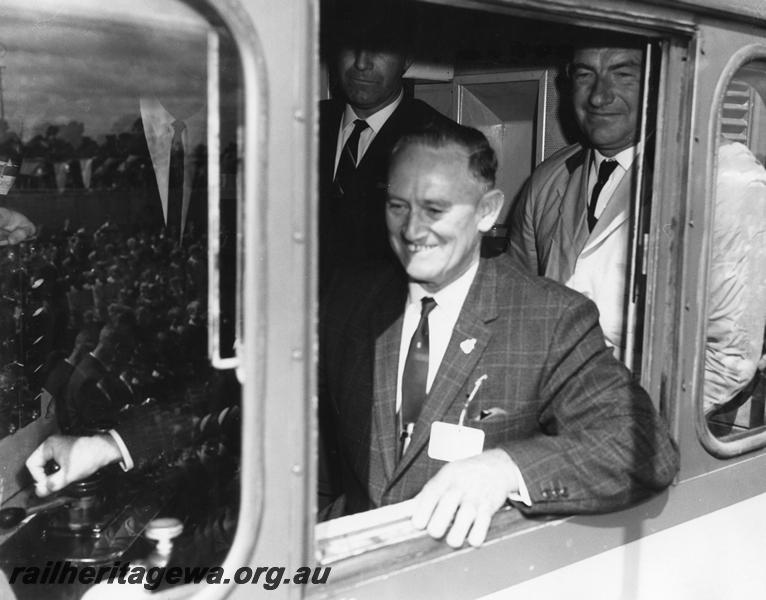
(441, 322)
(600, 272)
(624, 163)
(375, 123)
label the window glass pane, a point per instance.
(104, 146)
(734, 390)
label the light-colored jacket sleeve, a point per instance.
(737, 276)
(521, 224)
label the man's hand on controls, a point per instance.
(77, 457)
(470, 490)
(14, 227)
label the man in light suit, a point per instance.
(370, 54)
(515, 358)
(572, 221)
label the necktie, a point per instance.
(344, 175)
(415, 375)
(176, 180)
(606, 168)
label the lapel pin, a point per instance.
(468, 345)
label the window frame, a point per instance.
(419, 553)
(747, 441)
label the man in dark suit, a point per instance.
(95, 394)
(418, 363)
(358, 129)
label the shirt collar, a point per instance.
(624, 158)
(376, 120)
(154, 115)
(450, 297)
(153, 112)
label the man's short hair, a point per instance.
(610, 39)
(373, 25)
(482, 160)
(605, 39)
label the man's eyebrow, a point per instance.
(581, 65)
(627, 63)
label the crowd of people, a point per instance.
(64, 288)
(65, 158)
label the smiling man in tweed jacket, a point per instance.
(565, 430)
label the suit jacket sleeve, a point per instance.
(153, 434)
(601, 444)
(330, 496)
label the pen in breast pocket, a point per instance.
(470, 398)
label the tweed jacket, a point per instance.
(352, 226)
(549, 234)
(585, 438)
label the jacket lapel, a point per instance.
(386, 328)
(376, 155)
(572, 230)
(329, 123)
(616, 211)
(479, 308)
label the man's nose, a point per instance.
(412, 226)
(602, 92)
(362, 59)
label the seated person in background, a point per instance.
(59, 373)
(737, 302)
(449, 337)
(95, 393)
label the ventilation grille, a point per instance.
(737, 112)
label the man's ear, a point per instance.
(490, 205)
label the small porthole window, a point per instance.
(734, 386)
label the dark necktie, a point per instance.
(415, 375)
(176, 180)
(606, 168)
(345, 174)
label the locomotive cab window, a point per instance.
(541, 93)
(734, 390)
(119, 146)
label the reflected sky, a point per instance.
(90, 62)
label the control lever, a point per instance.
(12, 516)
(50, 467)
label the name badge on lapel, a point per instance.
(450, 442)
(453, 442)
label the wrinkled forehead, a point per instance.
(423, 170)
(426, 158)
